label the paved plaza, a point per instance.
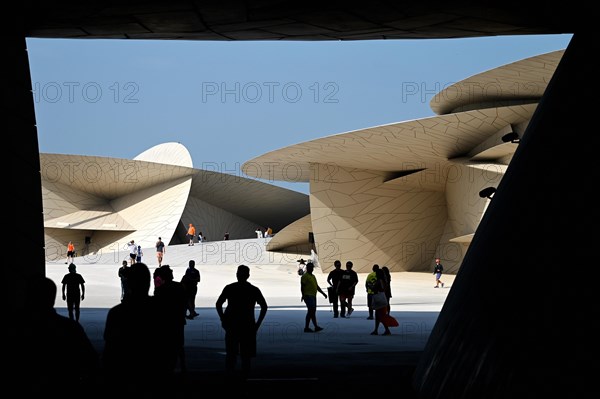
(343, 351)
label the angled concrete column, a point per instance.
(518, 318)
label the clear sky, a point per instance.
(228, 102)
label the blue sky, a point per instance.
(229, 102)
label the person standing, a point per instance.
(70, 253)
(190, 281)
(71, 292)
(438, 269)
(333, 279)
(130, 334)
(381, 311)
(388, 290)
(171, 299)
(123, 270)
(238, 320)
(160, 251)
(309, 288)
(347, 289)
(132, 252)
(370, 286)
(138, 254)
(47, 352)
(191, 233)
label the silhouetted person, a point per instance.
(388, 291)
(71, 292)
(157, 279)
(381, 285)
(50, 353)
(347, 289)
(123, 270)
(171, 298)
(333, 278)
(190, 281)
(131, 355)
(238, 320)
(370, 282)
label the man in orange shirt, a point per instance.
(191, 234)
(70, 253)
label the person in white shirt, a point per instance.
(132, 252)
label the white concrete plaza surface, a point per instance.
(415, 302)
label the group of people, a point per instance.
(144, 334)
(264, 234)
(379, 294)
(191, 235)
(135, 252)
(164, 274)
(165, 314)
(143, 321)
(342, 289)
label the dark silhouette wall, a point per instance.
(517, 318)
(24, 186)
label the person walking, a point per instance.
(438, 269)
(70, 253)
(191, 233)
(190, 281)
(370, 286)
(333, 279)
(347, 289)
(238, 320)
(309, 288)
(71, 291)
(160, 251)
